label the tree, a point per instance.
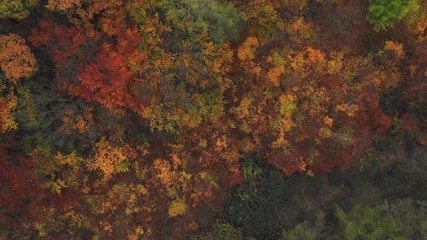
(262, 19)
(108, 159)
(17, 9)
(295, 5)
(222, 231)
(221, 21)
(255, 204)
(384, 13)
(417, 20)
(7, 121)
(306, 230)
(367, 223)
(16, 62)
(21, 189)
(16, 59)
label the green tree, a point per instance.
(384, 13)
(17, 9)
(222, 22)
(367, 223)
(306, 230)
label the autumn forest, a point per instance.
(213, 119)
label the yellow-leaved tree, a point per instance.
(108, 159)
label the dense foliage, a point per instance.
(213, 119)
(383, 13)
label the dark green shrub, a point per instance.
(255, 205)
(223, 231)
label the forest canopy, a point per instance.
(213, 119)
